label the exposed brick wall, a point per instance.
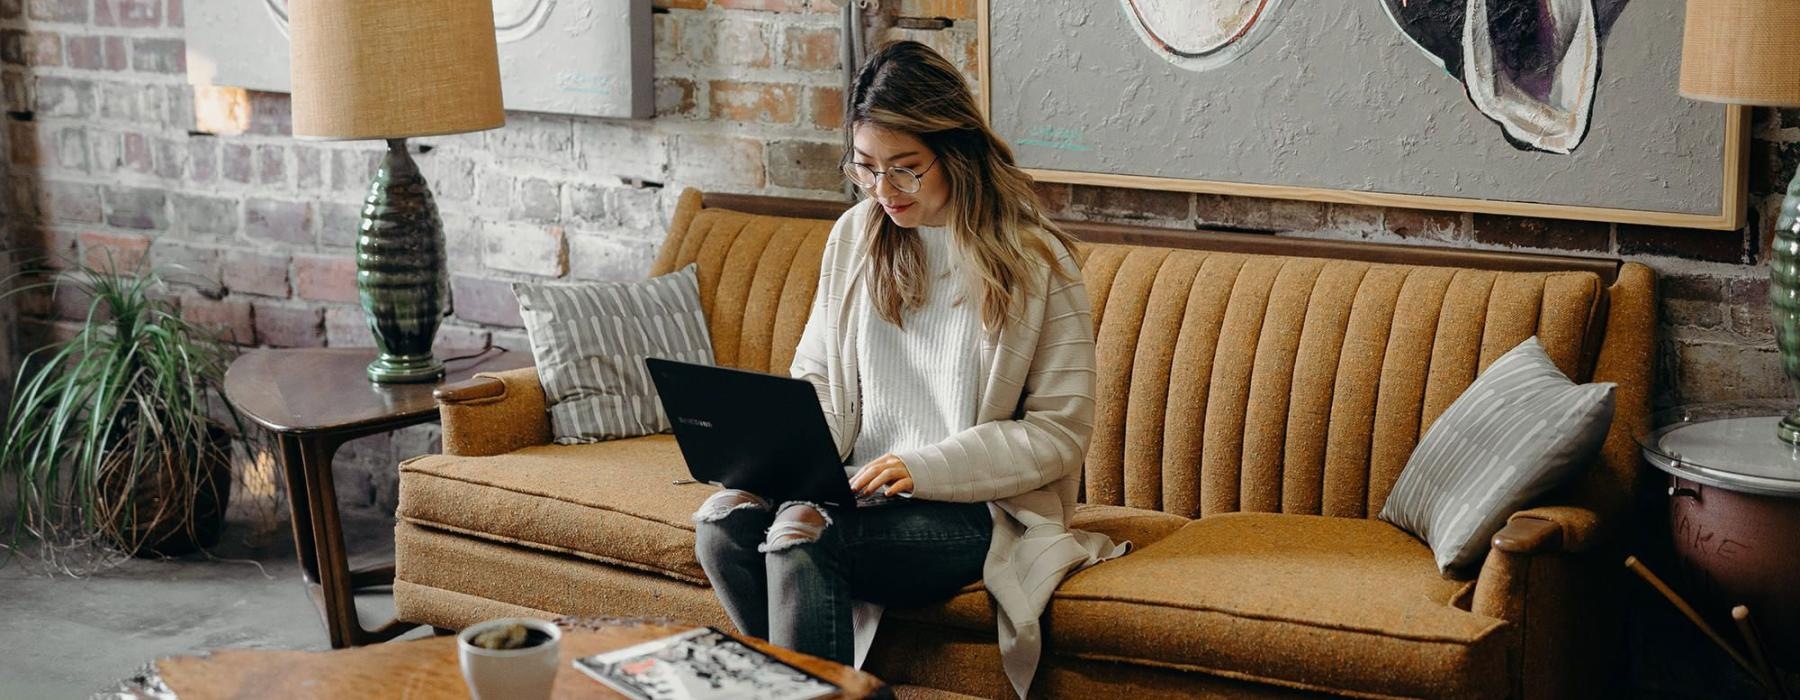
(106, 158)
(103, 155)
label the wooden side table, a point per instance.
(315, 400)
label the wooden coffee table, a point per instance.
(427, 669)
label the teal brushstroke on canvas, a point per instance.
(1052, 137)
(589, 83)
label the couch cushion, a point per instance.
(611, 501)
(1519, 431)
(615, 502)
(972, 609)
(1338, 604)
(589, 342)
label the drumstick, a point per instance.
(1741, 615)
(1631, 562)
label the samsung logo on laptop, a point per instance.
(696, 422)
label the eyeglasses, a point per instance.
(903, 179)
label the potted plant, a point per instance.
(109, 436)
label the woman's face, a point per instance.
(881, 149)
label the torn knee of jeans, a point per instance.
(726, 502)
(798, 523)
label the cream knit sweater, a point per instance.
(1024, 454)
(920, 380)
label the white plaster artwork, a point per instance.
(278, 14)
(1201, 35)
(584, 57)
(515, 20)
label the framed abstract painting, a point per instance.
(1550, 108)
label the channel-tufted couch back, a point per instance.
(1237, 382)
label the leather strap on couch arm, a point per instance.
(469, 390)
(1549, 529)
(494, 413)
(1529, 536)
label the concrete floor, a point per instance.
(69, 638)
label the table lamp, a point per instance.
(394, 69)
(1747, 52)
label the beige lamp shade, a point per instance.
(1742, 52)
(381, 69)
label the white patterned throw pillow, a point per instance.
(1521, 429)
(590, 340)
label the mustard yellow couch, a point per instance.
(1254, 411)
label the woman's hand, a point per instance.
(887, 470)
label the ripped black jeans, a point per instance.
(788, 573)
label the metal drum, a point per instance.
(1734, 511)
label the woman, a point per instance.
(953, 352)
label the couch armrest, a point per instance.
(494, 413)
(1529, 536)
(1549, 529)
(1542, 577)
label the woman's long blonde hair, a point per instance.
(909, 88)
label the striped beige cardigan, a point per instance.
(1024, 455)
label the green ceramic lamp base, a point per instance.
(395, 369)
(400, 274)
(1789, 428)
(1784, 299)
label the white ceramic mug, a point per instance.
(505, 674)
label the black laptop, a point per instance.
(757, 432)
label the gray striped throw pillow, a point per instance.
(590, 341)
(1521, 429)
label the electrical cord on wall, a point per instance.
(487, 347)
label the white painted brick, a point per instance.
(610, 255)
(535, 136)
(345, 327)
(637, 208)
(704, 160)
(462, 242)
(622, 150)
(455, 339)
(525, 248)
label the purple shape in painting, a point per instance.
(1531, 66)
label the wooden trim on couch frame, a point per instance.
(1231, 242)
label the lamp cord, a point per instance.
(486, 348)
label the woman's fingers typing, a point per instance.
(887, 471)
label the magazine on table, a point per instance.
(701, 664)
